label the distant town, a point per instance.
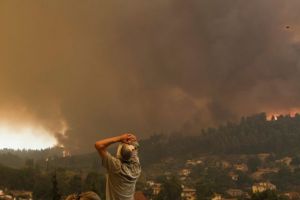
(238, 177)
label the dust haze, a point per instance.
(89, 69)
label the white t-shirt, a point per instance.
(121, 177)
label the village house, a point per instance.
(4, 196)
(184, 172)
(241, 167)
(188, 194)
(156, 188)
(258, 175)
(285, 160)
(150, 183)
(15, 195)
(263, 156)
(191, 163)
(233, 176)
(235, 192)
(292, 195)
(268, 170)
(225, 164)
(263, 186)
(21, 195)
(217, 197)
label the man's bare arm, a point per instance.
(101, 145)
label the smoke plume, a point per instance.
(89, 69)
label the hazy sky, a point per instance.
(88, 69)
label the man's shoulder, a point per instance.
(111, 163)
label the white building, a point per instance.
(156, 188)
(233, 176)
(188, 194)
(285, 160)
(217, 197)
(193, 162)
(235, 192)
(241, 167)
(184, 172)
(263, 186)
(150, 183)
(21, 195)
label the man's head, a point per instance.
(126, 151)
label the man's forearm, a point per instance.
(103, 144)
(125, 138)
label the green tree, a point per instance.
(284, 178)
(205, 190)
(55, 192)
(171, 189)
(42, 187)
(95, 182)
(212, 180)
(243, 179)
(29, 163)
(296, 160)
(253, 163)
(75, 184)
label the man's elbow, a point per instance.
(99, 146)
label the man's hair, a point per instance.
(125, 151)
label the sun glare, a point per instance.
(25, 138)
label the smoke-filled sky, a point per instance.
(84, 70)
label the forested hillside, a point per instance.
(250, 135)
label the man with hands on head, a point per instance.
(123, 169)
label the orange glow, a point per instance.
(290, 112)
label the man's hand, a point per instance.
(127, 138)
(101, 145)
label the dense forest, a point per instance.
(251, 135)
(45, 185)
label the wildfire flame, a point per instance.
(274, 115)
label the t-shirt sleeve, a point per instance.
(111, 163)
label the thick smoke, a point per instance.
(107, 67)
